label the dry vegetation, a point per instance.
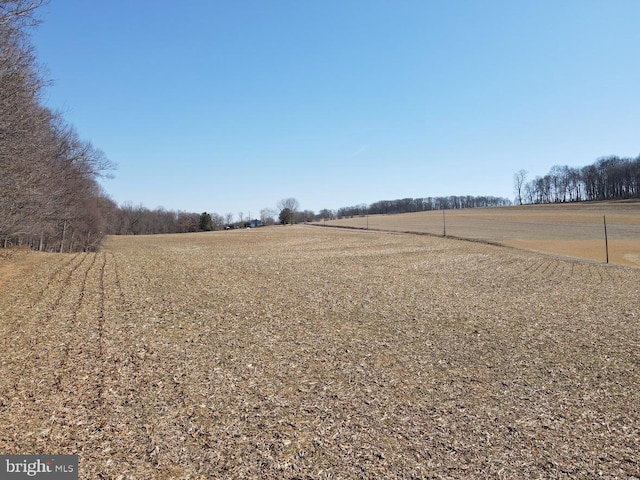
(303, 352)
(573, 229)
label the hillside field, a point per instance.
(571, 229)
(315, 353)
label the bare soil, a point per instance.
(574, 229)
(315, 353)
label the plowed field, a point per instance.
(307, 352)
(570, 229)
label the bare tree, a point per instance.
(519, 179)
(608, 178)
(305, 216)
(218, 221)
(188, 222)
(20, 13)
(137, 220)
(327, 214)
(49, 195)
(291, 205)
(267, 216)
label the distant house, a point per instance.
(254, 223)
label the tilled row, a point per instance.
(308, 353)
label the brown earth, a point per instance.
(302, 352)
(574, 229)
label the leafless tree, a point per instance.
(49, 195)
(291, 205)
(519, 179)
(19, 13)
(608, 178)
(327, 214)
(267, 216)
(218, 221)
(305, 216)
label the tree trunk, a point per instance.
(64, 231)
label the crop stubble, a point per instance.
(303, 352)
(571, 229)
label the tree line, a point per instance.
(129, 219)
(608, 178)
(410, 205)
(49, 195)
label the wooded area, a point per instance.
(50, 198)
(49, 195)
(608, 178)
(411, 205)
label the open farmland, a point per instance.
(307, 352)
(572, 229)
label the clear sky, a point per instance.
(232, 105)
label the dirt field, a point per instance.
(316, 353)
(575, 229)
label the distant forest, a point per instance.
(408, 205)
(608, 178)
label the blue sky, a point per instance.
(232, 105)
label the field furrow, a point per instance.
(316, 353)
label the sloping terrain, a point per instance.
(303, 352)
(570, 229)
